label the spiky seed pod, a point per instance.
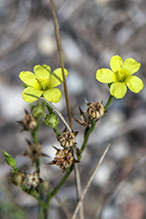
(67, 138)
(63, 158)
(95, 110)
(34, 151)
(29, 122)
(33, 180)
(85, 120)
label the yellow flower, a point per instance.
(42, 83)
(121, 76)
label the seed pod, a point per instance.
(85, 120)
(67, 138)
(29, 122)
(18, 178)
(34, 151)
(33, 180)
(63, 158)
(95, 110)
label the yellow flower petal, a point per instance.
(116, 63)
(29, 94)
(56, 77)
(27, 77)
(42, 71)
(53, 95)
(135, 84)
(131, 65)
(118, 89)
(105, 75)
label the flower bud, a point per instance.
(37, 110)
(10, 161)
(51, 120)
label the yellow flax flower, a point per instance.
(42, 83)
(121, 76)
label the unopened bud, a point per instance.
(38, 110)
(11, 161)
(51, 120)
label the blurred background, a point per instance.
(91, 33)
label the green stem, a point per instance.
(109, 102)
(38, 163)
(43, 209)
(43, 206)
(56, 130)
(34, 135)
(56, 189)
(86, 136)
(43, 212)
(34, 132)
(32, 193)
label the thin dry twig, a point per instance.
(119, 185)
(64, 208)
(61, 60)
(78, 182)
(89, 182)
(77, 172)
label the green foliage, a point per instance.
(11, 161)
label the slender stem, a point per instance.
(34, 135)
(77, 173)
(56, 130)
(38, 163)
(43, 208)
(56, 189)
(43, 212)
(61, 61)
(32, 193)
(34, 132)
(89, 182)
(109, 102)
(87, 133)
(78, 182)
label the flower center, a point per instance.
(121, 75)
(43, 83)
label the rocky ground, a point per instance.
(91, 33)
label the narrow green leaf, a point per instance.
(10, 160)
